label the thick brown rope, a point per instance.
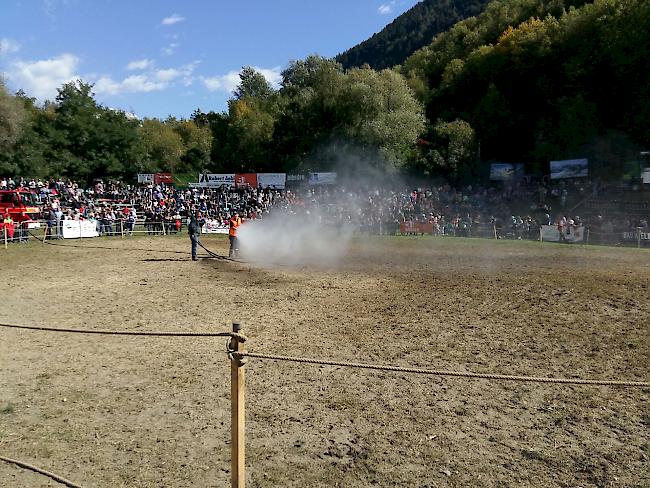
(462, 374)
(36, 469)
(234, 335)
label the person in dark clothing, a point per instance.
(194, 229)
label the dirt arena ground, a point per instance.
(151, 412)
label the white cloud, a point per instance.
(152, 80)
(172, 19)
(272, 75)
(140, 64)
(169, 50)
(131, 84)
(229, 81)
(41, 79)
(8, 46)
(385, 9)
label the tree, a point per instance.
(252, 84)
(380, 110)
(12, 118)
(454, 149)
(163, 146)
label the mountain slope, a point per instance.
(409, 32)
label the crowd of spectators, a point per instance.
(515, 210)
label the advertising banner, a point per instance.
(246, 179)
(505, 171)
(216, 180)
(570, 233)
(646, 176)
(165, 178)
(74, 229)
(415, 228)
(636, 235)
(569, 168)
(322, 178)
(145, 178)
(214, 227)
(277, 181)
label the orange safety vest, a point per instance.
(234, 223)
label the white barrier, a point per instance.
(214, 227)
(74, 229)
(570, 233)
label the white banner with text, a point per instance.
(74, 229)
(570, 233)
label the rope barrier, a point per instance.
(242, 355)
(234, 335)
(36, 469)
(463, 374)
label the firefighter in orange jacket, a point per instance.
(234, 223)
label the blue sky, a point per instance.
(161, 57)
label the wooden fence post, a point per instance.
(4, 227)
(237, 415)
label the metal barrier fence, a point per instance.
(634, 237)
(118, 228)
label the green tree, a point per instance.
(381, 110)
(197, 144)
(252, 84)
(12, 118)
(162, 146)
(454, 150)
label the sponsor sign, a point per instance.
(74, 229)
(322, 178)
(246, 179)
(214, 227)
(216, 179)
(145, 177)
(634, 235)
(415, 228)
(646, 176)
(272, 180)
(163, 178)
(571, 233)
(569, 168)
(506, 172)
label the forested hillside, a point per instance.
(408, 32)
(535, 80)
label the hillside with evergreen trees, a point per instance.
(535, 80)
(409, 32)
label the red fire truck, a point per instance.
(22, 207)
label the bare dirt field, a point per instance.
(111, 411)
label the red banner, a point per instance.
(415, 228)
(166, 178)
(246, 179)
